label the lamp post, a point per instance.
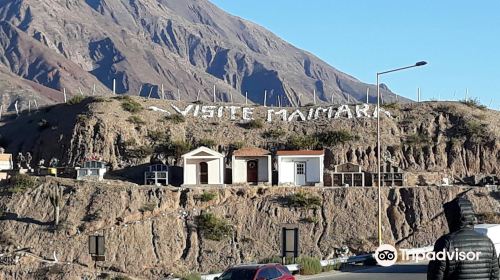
(420, 63)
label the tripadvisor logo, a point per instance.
(386, 255)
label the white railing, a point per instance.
(353, 259)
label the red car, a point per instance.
(257, 272)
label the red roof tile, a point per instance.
(251, 152)
(301, 153)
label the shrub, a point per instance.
(139, 152)
(147, 207)
(158, 136)
(207, 196)
(76, 100)
(128, 104)
(302, 142)
(21, 183)
(191, 276)
(474, 130)
(473, 103)
(136, 120)
(213, 228)
(309, 266)
(82, 118)
(417, 140)
(253, 124)
(176, 119)
(393, 106)
(303, 200)
(274, 133)
(210, 143)
(276, 259)
(332, 138)
(43, 124)
(237, 145)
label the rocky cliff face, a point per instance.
(185, 45)
(450, 138)
(152, 232)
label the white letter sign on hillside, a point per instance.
(236, 113)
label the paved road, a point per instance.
(396, 272)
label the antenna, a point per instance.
(265, 98)
(418, 94)
(314, 96)
(114, 86)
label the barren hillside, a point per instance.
(184, 45)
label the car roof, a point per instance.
(253, 265)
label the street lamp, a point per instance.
(420, 63)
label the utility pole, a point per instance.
(214, 93)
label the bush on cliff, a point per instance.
(212, 227)
(129, 105)
(20, 183)
(303, 200)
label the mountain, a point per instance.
(188, 46)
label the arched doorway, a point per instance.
(203, 173)
(252, 171)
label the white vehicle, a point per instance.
(492, 231)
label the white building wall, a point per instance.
(239, 166)
(286, 169)
(214, 176)
(239, 170)
(192, 171)
(6, 165)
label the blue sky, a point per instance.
(459, 39)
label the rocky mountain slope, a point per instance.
(154, 232)
(449, 137)
(188, 46)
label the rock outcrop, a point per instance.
(152, 232)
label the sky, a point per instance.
(459, 39)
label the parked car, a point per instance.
(257, 272)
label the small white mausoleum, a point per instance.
(251, 165)
(300, 168)
(203, 166)
(91, 170)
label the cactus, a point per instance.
(55, 197)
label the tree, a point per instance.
(55, 198)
